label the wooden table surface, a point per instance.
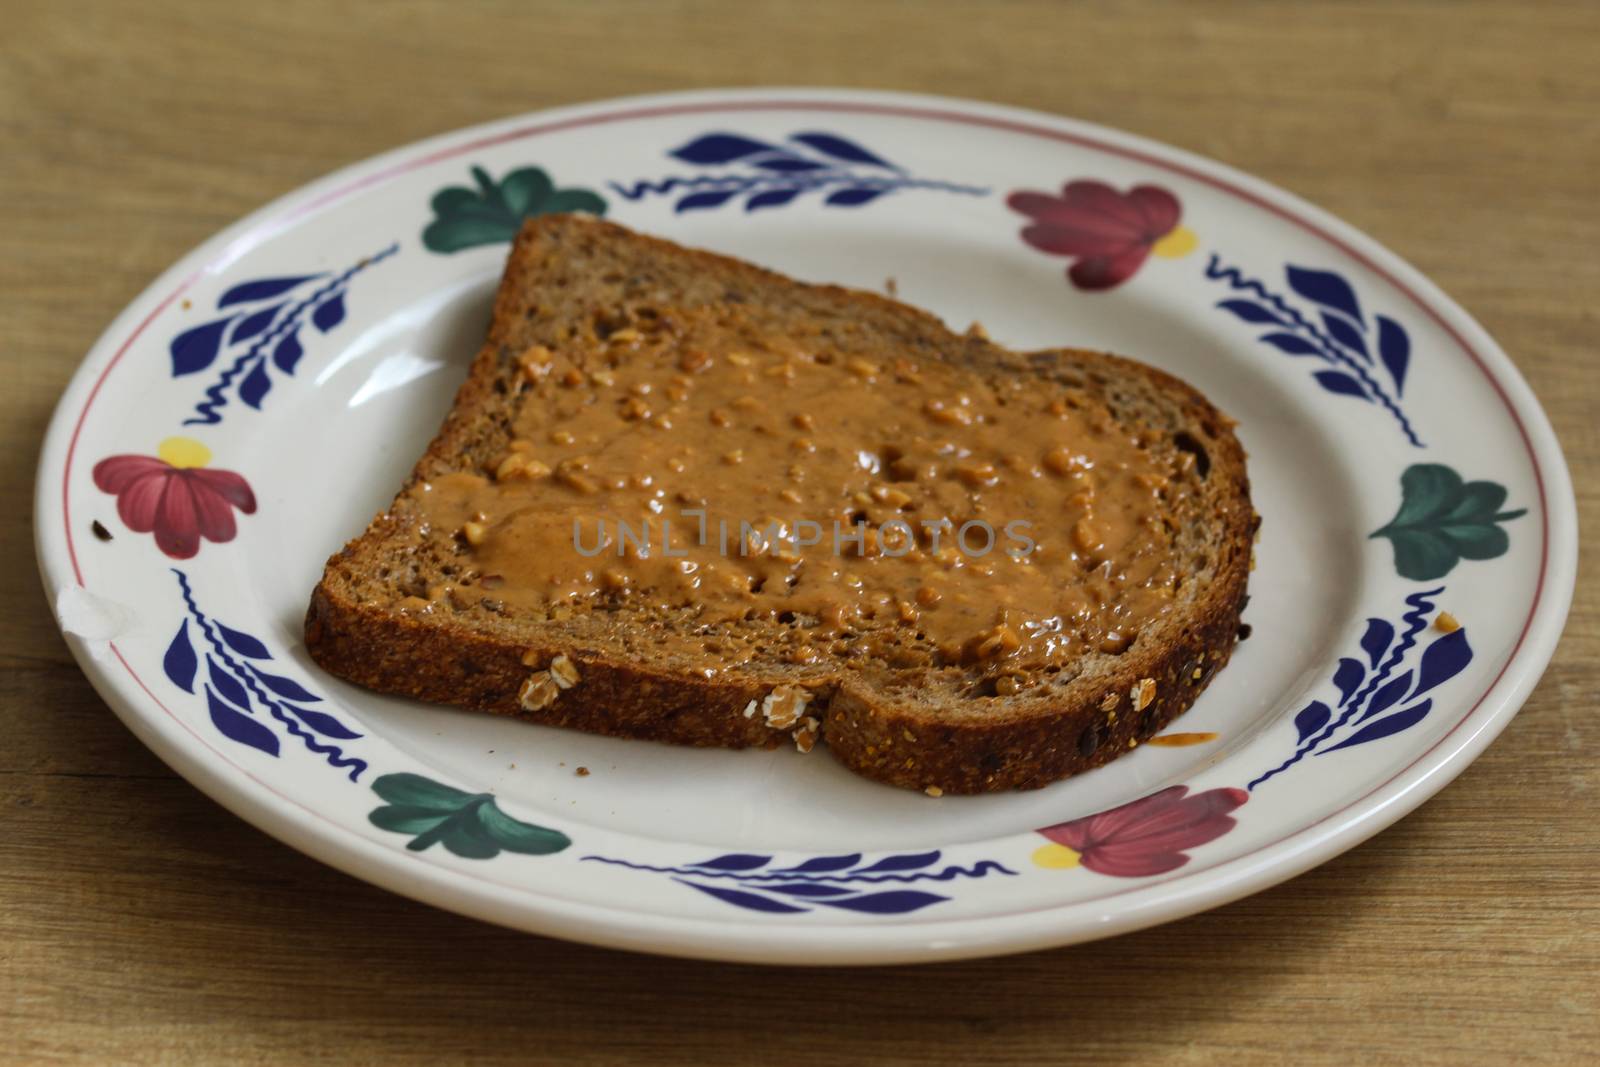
(139, 921)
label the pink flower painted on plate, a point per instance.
(174, 495)
(1108, 233)
(1146, 837)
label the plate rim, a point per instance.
(736, 938)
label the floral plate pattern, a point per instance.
(250, 410)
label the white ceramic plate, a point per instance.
(1402, 467)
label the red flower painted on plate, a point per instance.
(1146, 837)
(1109, 233)
(173, 495)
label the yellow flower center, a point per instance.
(1056, 857)
(1180, 242)
(184, 452)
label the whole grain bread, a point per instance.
(924, 723)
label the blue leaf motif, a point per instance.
(287, 688)
(262, 289)
(1250, 311)
(1375, 642)
(1326, 288)
(840, 149)
(1293, 344)
(322, 723)
(243, 643)
(1349, 675)
(180, 662)
(256, 385)
(1394, 347)
(740, 898)
(807, 889)
(329, 313)
(237, 726)
(1313, 717)
(196, 348)
(1387, 696)
(893, 902)
(288, 352)
(788, 164)
(824, 864)
(227, 685)
(854, 196)
(697, 201)
(1385, 727)
(907, 862)
(771, 198)
(1335, 382)
(261, 337)
(1334, 333)
(719, 148)
(254, 323)
(1341, 330)
(833, 145)
(735, 861)
(1443, 660)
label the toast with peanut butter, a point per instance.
(681, 498)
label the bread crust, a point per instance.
(893, 741)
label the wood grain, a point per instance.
(140, 922)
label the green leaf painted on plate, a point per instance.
(493, 212)
(405, 820)
(514, 835)
(470, 825)
(1443, 520)
(413, 790)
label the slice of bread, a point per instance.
(1076, 655)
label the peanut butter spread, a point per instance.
(703, 463)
